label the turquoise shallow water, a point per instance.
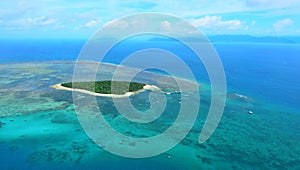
(39, 128)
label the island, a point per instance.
(106, 88)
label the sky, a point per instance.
(81, 19)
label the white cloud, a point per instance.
(166, 25)
(40, 21)
(280, 24)
(24, 15)
(116, 24)
(91, 23)
(30, 22)
(216, 22)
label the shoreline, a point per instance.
(127, 94)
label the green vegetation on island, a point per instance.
(105, 87)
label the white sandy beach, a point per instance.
(146, 87)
